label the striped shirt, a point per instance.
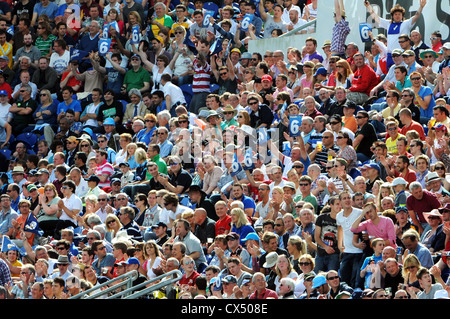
(45, 45)
(202, 78)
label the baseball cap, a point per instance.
(232, 235)
(266, 78)
(115, 180)
(321, 71)
(399, 181)
(132, 261)
(109, 121)
(3, 92)
(319, 281)
(409, 53)
(397, 52)
(399, 209)
(230, 279)
(252, 235)
(160, 224)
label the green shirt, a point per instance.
(161, 164)
(45, 45)
(309, 199)
(136, 79)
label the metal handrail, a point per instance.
(127, 280)
(129, 295)
(294, 31)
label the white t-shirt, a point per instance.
(393, 32)
(5, 113)
(60, 63)
(73, 202)
(346, 224)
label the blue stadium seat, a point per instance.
(6, 152)
(187, 91)
(214, 87)
(124, 103)
(211, 6)
(30, 139)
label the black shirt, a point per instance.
(264, 116)
(370, 136)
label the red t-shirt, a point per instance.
(189, 280)
(223, 225)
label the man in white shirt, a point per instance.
(60, 58)
(351, 255)
(172, 93)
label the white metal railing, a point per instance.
(129, 292)
(294, 31)
(123, 280)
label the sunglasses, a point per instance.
(304, 263)
(415, 79)
(439, 167)
(333, 278)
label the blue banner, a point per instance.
(236, 166)
(246, 20)
(248, 163)
(103, 46)
(134, 35)
(295, 121)
(364, 29)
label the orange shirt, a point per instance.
(350, 123)
(21, 221)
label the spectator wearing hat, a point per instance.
(434, 238)
(320, 287)
(235, 248)
(136, 77)
(133, 264)
(93, 182)
(63, 264)
(399, 186)
(403, 223)
(7, 73)
(434, 183)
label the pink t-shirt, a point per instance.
(385, 229)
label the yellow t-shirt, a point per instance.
(392, 145)
(7, 49)
(387, 111)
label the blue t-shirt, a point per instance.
(423, 92)
(49, 10)
(141, 136)
(74, 105)
(368, 276)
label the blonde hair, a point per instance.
(242, 217)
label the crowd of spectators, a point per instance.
(143, 136)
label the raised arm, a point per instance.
(262, 11)
(416, 17)
(373, 14)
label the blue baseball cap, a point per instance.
(3, 92)
(319, 281)
(321, 71)
(253, 236)
(132, 261)
(109, 121)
